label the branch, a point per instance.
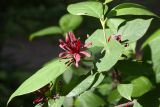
(127, 104)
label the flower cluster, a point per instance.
(74, 50)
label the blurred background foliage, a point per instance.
(19, 57)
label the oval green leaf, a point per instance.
(89, 8)
(134, 30)
(130, 9)
(125, 90)
(70, 22)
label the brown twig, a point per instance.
(127, 104)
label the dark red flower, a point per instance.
(38, 100)
(116, 37)
(119, 39)
(74, 49)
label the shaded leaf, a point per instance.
(155, 50)
(89, 8)
(151, 38)
(114, 97)
(105, 89)
(67, 76)
(70, 22)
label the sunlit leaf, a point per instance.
(130, 9)
(113, 51)
(136, 104)
(89, 99)
(89, 8)
(83, 86)
(114, 23)
(46, 31)
(125, 90)
(141, 85)
(99, 80)
(107, 1)
(134, 29)
(56, 103)
(97, 38)
(41, 78)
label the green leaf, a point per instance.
(135, 29)
(67, 76)
(46, 31)
(89, 8)
(113, 51)
(39, 105)
(99, 80)
(114, 23)
(136, 104)
(114, 97)
(125, 90)
(130, 9)
(83, 86)
(155, 50)
(105, 89)
(70, 22)
(56, 103)
(107, 1)
(151, 38)
(97, 38)
(79, 71)
(141, 85)
(68, 102)
(89, 99)
(41, 78)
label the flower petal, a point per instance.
(85, 53)
(67, 38)
(78, 45)
(72, 36)
(87, 44)
(77, 58)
